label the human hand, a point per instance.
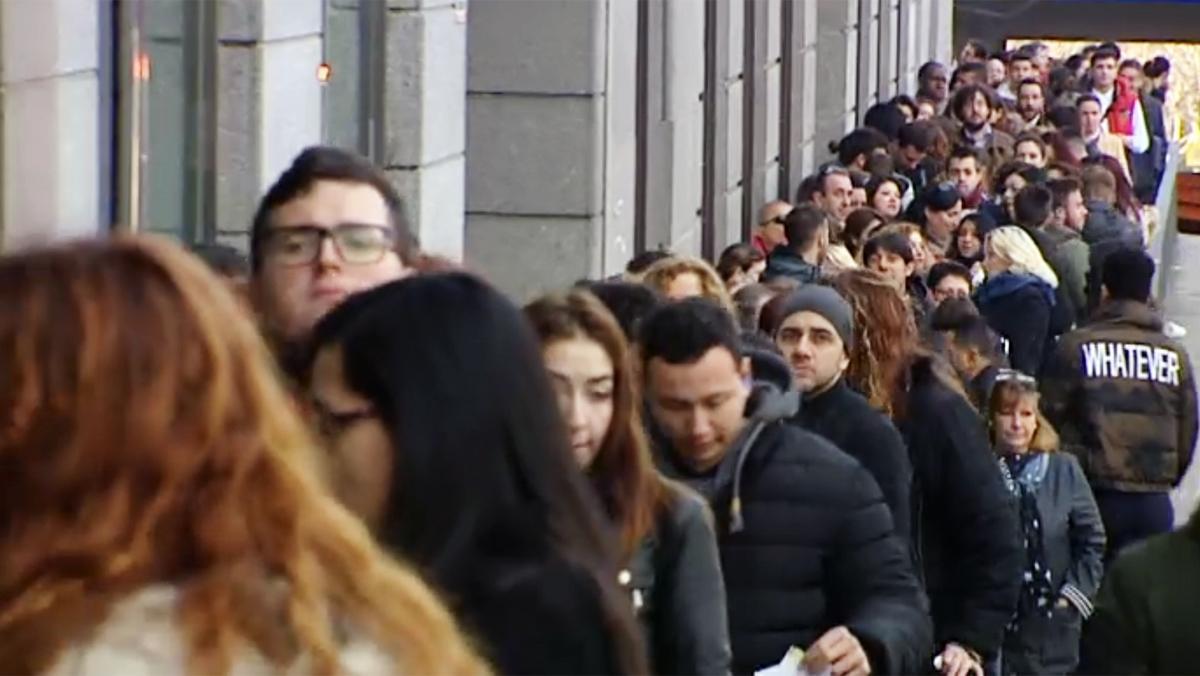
(957, 661)
(840, 651)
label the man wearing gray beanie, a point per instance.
(816, 334)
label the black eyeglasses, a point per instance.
(356, 243)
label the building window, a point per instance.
(166, 127)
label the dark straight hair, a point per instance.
(482, 461)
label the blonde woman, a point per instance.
(1061, 531)
(1018, 297)
(680, 277)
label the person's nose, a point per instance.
(328, 256)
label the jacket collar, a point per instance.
(1129, 312)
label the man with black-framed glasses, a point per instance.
(331, 226)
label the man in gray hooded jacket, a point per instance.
(808, 548)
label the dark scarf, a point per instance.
(1022, 473)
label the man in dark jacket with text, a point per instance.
(808, 549)
(1122, 396)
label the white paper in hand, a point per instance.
(792, 664)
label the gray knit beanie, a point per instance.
(823, 301)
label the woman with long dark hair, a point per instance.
(445, 436)
(161, 511)
(964, 530)
(668, 546)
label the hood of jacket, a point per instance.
(766, 405)
(783, 262)
(1007, 283)
(1131, 312)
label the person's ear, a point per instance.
(744, 369)
(909, 269)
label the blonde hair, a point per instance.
(1006, 396)
(1017, 250)
(661, 274)
(148, 440)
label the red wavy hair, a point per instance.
(144, 439)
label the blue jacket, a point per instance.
(1019, 308)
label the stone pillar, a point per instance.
(911, 51)
(868, 55)
(268, 103)
(535, 142)
(889, 49)
(425, 117)
(620, 136)
(941, 31)
(837, 71)
(683, 82)
(800, 95)
(50, 104)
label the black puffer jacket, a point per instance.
(844, 417)
(965, 526)
(807, 544)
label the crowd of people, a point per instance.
(922, 422)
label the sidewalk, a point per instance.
(1183, 307)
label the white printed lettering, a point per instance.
(1144, 355)
(1092, 360)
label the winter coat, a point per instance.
(1122, 397)
(544, 617)
(141, 637)
(807, 544)
(1145, 619)
(1019, 307)
(1069, 257)
(844, 417)
(1104, 222)
(783, 262)
(678, 592)
(980, 387)
(965, 529)
(1073, 544)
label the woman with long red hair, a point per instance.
(964, 530)
(667, 542)
(160, 511)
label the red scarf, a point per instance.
(1120, 113)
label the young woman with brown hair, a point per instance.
(1060, 527)
(667, 541)
(160, 511)
(964, 530)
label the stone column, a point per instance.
(425, 114)
(268, 102)
(941, 31)
(868, 55)
(837, 71)
(889, 49)
(535, 142)
(51, 110)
